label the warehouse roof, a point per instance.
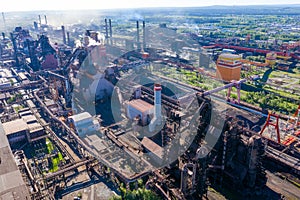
(15, 126)
(81, 116)
(12, 185)
(140, 105)
(34, 127)
(29, 119)
(152, 147)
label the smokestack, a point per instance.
(157, 97)
(110, 29)
(138, 35)
(45, 19)
(106, 29)
(144, 36)
(68, 38)
(40, 19)
(36, 26)
(13, 39)
(3, 17)
(157, 119)
(63, 34)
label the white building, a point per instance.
(84, 123)
(141, 109)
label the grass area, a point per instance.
(56, 160)
(18, 108)
(282, 93)
(50, 146)
(278, 74)
(140, 193)
(268, 101)
(191, 77)
(260, 99)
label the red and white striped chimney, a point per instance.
(157, 119)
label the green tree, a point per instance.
(139, 194)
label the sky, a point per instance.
(30, 5)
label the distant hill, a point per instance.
(284, 9)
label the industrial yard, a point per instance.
(124, 108)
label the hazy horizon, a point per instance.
(53, 5)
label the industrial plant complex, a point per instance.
(126, 108)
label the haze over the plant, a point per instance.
(30, 5)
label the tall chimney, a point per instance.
(144, 36)
(68, 38)
(36, 26)
(110, 29)
(46, 22)
(106, 29)
(157, 97)
(3, 17)
(138, 35)
(40, 19)
(63, 34)
(157, 119)
(13, 39)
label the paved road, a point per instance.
(281, 186)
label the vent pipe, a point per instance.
(110, 28)
(110, 31)
(106, 29)
(144, 36)
(63, 34)
(138, 35)
(68, 38)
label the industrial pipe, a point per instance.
(144, 36)
(138, 35)
(63, 34)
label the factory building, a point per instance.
(5, 76)
(4, 82)
(204, 60)
(25, 129)
(84, 123)
(153, 150)
(12, 185)
(139, 109)
(146, 113)
(16, 131)
(229, 67)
